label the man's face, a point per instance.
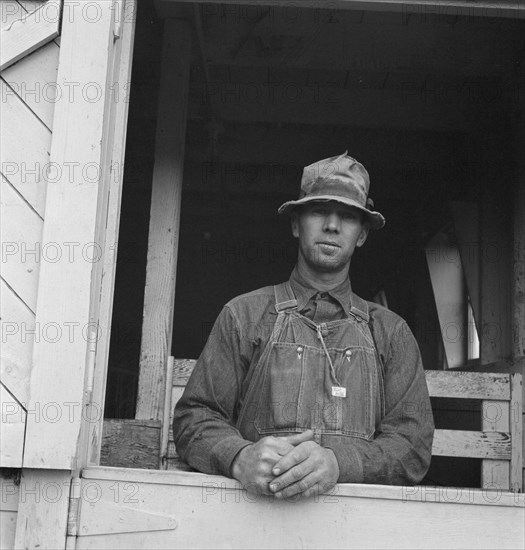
(328, 233)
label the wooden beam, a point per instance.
(469, 444)
(482, 8)
(159, 298)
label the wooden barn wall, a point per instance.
(28, 94)
(28, 91)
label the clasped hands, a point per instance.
(286, 466)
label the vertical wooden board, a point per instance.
(12, 430)
(42, 509)
(17, 326)
(34, 81)
(21, 234)
(92, 432)
(495, 474)
(516, 432)
(61, 372)
(163, 237)
(24, 155)
(8, 510)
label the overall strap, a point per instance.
(359, 308)
(284, 302)
(284, 297)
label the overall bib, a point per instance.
(324, 377)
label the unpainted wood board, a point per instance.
(131, 443)
(18, 330)
(24, 155)
(34, 78)
(494, 445)
(163, 239)
(468, 385)
(21, 234)
(516, 421)
(29, 33)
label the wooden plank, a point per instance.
(42, 509)
(182, 370)
(197, 479)
(159, 297)
(117, 143)
(21, 240)
(482, 8)
(495, 279)
(28, 34)
(34, 81)
(12, 430)
(468, 444)
(17, 326)
(516, 433)
(24, 155)
(60, 373)
(8, 510)
(459, 518)
(131, 443)
(468, 385)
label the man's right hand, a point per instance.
(252, 467)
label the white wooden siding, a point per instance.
(26, 132)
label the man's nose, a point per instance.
(332, 223)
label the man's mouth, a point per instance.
(328, 243)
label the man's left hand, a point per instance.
(308, 469)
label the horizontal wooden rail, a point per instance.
(470, 444)
(468, 385)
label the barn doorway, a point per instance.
(424, 100)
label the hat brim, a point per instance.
(376, 219)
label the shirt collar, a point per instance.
(304, 291)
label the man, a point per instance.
(305, 384)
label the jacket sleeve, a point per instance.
(203, 427)
(401, 449)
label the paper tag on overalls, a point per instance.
(338, 391)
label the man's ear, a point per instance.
(295, 223)
(363, 235)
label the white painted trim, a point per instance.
(74, 205)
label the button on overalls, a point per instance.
(322, 377)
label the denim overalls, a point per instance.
(324, 377)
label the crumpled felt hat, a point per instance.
(341, 179)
